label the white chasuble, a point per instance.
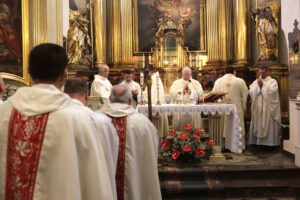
(133, 86)
(101, 87)
(265, 110)
(237, 93)
(137, 174)
(180, 119)
(56, 142)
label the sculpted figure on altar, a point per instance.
(78, 39)
(267, 29)
(194, 88)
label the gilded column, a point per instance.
(213, 30)
(39, 21)
(126, 32)
(242, 24)
(220, 31)
(114, 30)
(100, 31)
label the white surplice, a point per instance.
(265, 110)
(141, 151)
(72, 164)
(196, 92)
(101, 87)
(132, 86)
(109, 140)
(162, 121)
(237, 93)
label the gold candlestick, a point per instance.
(157, 87)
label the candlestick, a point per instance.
(157, 86)
(141, 78)
(143, 60)
(149, 57)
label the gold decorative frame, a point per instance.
(203, 29)
(25, 79)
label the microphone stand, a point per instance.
(198, 96)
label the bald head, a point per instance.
(120, 94)
(103, 70)
(186, 73)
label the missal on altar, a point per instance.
(213, 97)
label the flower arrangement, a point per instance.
(189, 146)
(209, 77)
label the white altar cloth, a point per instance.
(233, 130)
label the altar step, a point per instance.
(213, 182)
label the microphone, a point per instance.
(198, 99)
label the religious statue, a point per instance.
(267, 30)
(78, 39)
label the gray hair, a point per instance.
(102, 67)
(121, 94)
(0, 78)
(186, 68)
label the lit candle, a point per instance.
(141, 78)
(149, 57)
(143, 60)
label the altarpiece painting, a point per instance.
(14, 39)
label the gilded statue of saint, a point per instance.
(267, 30)
(78, 39)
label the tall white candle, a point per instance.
(143, 60)
(141, 78)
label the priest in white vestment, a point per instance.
(137, 174)
(265, 109)
(77, 89)
(2, 89)
(237, 93)
(49, 147)
(133, 86)
(157, 89)
(194, 88)
(101, 86)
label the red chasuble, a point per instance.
(120, 126)
(25, 140)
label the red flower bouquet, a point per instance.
(209, 77)
(189, 146)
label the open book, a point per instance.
(212, 97)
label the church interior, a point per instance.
(165, 37)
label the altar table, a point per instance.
(233, 135)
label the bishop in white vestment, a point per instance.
(237, 93)
(101, 86)
(137, 174)
(195, 91)
(265, 110)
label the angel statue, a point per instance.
(267, 30)
(78, 39)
